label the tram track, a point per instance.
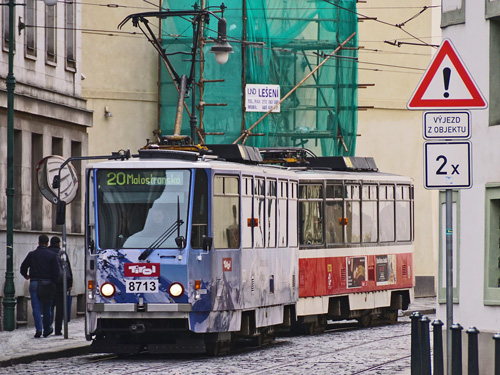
(339, 347)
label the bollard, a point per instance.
(437, 335)
(496, 337)
(425, 345)
(456, 349)
(473, 361)
(416, 356)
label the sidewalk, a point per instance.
(425, 306)
(19, 346)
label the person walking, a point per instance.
(55, 247)
(41, 268)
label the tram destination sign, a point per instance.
(446, 125)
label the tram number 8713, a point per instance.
(142, 286)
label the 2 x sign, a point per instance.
(447, 165)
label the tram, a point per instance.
(187, 251)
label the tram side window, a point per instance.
(292, 214)
(259, 213)
(352, 216)
(282, 214)
(334, 213)
(271, 213)
(387, 213)
(226, 212)
(370, 214)
(311, 214)
(200, 209)
(403, 213)
(246, 211)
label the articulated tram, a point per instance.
(187, 251)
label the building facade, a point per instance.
(474, 29)
(121, 77)
(393, 59)
(50, 118)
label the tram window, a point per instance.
(282, 213)
(200, 209)
(259, 213)
(387, 213)
(246, 211)
(271, 213)
(226, 212)
(311, 214)
(292, 214)
(136, 206)
(370, 214)
(334, 213)
(352, 214)
(403, 213)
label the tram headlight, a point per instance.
(108, 289)
(176, 289)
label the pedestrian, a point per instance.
(41, 268)
(55, 247)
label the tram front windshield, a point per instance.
(139, 209)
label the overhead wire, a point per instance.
(180, 37)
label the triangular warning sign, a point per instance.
(447, 84)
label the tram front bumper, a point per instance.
(149, 310)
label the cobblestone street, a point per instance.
(344, 350)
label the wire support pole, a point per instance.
(243, 137)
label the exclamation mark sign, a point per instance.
(446, 78)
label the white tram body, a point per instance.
(186, 252)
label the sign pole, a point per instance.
(449, 275)
(447, 85)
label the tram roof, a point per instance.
(301, 162)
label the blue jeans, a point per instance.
(40, 309)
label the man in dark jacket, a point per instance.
(55, 247)
(41, 268)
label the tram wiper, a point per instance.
(165, 235)
(160, 240)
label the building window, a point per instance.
(494, 76)
(57, 149)
(6, 30)
(492, 237)
(492, 8)
(452, 12)
(70, 29)
(36, 197)
(442, 246)
(76, 205)
(51, 33)
(30, 31)
(18, 184)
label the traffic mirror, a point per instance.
(56, 183)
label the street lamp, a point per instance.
(9, 302)
(221, 48)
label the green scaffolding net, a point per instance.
(298, 35)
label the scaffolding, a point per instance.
(298, 36)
